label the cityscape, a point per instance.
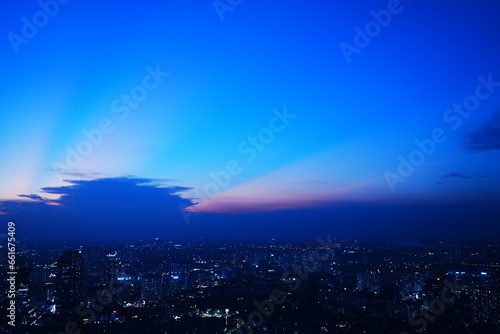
(279, 286)
(250, 166)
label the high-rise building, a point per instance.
(110, 268)
(69, 280)
(151, 287)
(483, 306)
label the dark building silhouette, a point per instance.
(110, 269)
(308, 294)
(69, 281)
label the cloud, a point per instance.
(485, 138)
(465, 176)
(76, 173)
(100, 208)
(34, 197)
(129, 208)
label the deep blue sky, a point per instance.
(277, 118)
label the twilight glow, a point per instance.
(267, 108)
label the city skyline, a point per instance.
(229, 118)
(310, 286)
(237, 166)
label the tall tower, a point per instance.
(69, 280)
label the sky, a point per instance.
(250, 118)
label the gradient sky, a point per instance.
(226, 74)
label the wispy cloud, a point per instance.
(465, 176)
(34, 197)
(77, 173)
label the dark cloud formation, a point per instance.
(100, 209)
(485, 138)
(129, 208)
